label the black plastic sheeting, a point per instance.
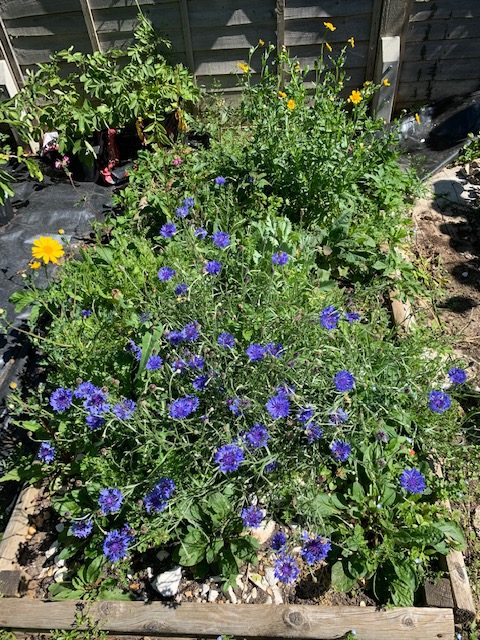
(442, 132)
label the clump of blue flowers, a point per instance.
(229, 457)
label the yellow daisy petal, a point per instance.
(47, 249)
(329, 26)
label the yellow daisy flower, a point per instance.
(291, 104)
(328, 46)
(417, 118)
(355, 97)
(35, 264)
(243, 66)
(61, 232)
(47, 249)
(351, 41)
(282, 94)
(386, 82)
(329, 26)
(261, 43)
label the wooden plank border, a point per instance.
(250, 621)
(90, 24)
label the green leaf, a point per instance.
(340, 580)
(453, 532)
(94, 569)
(149, 342)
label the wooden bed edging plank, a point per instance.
(253, 621)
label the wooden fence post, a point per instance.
(10, 57)
(90, 24)
(187, 35)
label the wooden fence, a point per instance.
(437, 42)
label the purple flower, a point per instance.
(86, 313)
(457, 376)
(344, 380)
(182, 407)
(189, 202)
(258, 436)
(156, 500)
(413, 481)
(181, 289)
(81, 528)
(178, 365)
(46, 452)
(274, 349)
(200, 233)
(110, 500)
(190, 331)
(278, 406)
(280, 258)
(94, 422)
(61, 399)
(213, 267)
(226, 340)
(255, 352)
(339, 416)
(439, 401)
(115, 545)
(135, 349)
(168, 230)
(340, 450)
(315, 549)
(182, 212)
(84, 389)
(221, 239)
(229, 457)
(329, 318)
(271, 466)
(125, 409)
(279, 539)
(382, 436)
(234, 406)
(285, 389)
(352, 316)
(313, 432)
(197, 362)
(96, 403)
(200, 383)
(305, 414)
(220, 180)
(252, 516)
(286, 569)
(174, 337)
(166, 273)
(154, 363)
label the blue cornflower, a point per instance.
(258, 436)
(340, 450)
(339, 416)
(182, 212)
(135, 349)
(178, 365)
(110, 500)
(200, 383)
(286, 569)
(329, 318)
(271, 466)
(413, 481)
(94, 422)
(166, 273)
(115, 545)
(280, 258)
(154, 363)
(61, 399)
(81, 528)
(278, 541)
(305, 414)
(174, 337)
(182, 407)
(344, 380)
(168, 230)
(156, 500)
(255, 352)
(200, 233)
(96, 403)
(86, 313)
(220, 180)
(234, 404)
(46, 452)
(351, 316)
(252, 516)
(315, 550)
(125, 409)
(181, 289)
(229, 457)
(196, 362)
(278, 406)
(84, 389)
(457, 376)
(213, 267)
(221, 239)
(226, 340)
(190, 331)
(313, 432)
(189, 202)
(274, 349)
(439, 401)
(285, 389)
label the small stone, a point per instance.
(28, 537)
(232, 596)
(205, 590)
(59, 527)
(213, 595)
(167, 583)
(239, 582)
(52, 550)
(264, 532)
(59, 575)
(363, 603)
(464, 274)
(59, 562)
(269, 600)
(277, 595)
(149, 573)
(162, 555)
(270, 576)
(188, 594)
(258, 580)
(31, 531)
(254, 593)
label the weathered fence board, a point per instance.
(326, 8)
(260, 621)
(312, 30)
